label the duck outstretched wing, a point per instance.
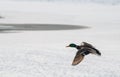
(78, 58)
(91, 48)
(87, 44)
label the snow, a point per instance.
(111, 2)
(42, 53)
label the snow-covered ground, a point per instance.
(43, 53)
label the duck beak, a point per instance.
(67, 46)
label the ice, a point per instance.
(42, 53)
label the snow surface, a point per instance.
(43, 53)
(111, 2)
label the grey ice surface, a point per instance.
(34, 27)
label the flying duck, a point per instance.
(83, 50)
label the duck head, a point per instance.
(72, 45)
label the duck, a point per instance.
(83, 50)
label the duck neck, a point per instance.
(78, 47)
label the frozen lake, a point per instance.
(33, 39)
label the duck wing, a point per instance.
(91, 48)
(86, 44)
(78, 58)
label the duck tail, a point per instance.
(98, 52)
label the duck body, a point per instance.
(86, 48)
(83, 50)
